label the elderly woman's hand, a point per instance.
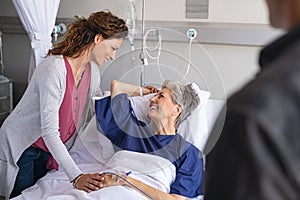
(108, 179)
(152, 89)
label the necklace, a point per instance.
(78, 70)
(78, 78)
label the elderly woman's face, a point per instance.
(162, 106)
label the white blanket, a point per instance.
(94, 153)
(55, 185)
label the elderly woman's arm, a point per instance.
(118, 87)
(156, 194)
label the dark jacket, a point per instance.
(257, 155)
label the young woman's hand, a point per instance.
(88, 182)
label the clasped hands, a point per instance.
(96, 181)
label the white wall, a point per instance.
(236, 64)
(227, 11)
(238, 11)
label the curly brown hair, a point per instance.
(81, 33)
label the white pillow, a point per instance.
(194, 129)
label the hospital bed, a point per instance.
(93, 152)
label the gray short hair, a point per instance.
(183, 95)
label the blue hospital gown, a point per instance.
(117, 121)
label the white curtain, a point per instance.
(38, 19)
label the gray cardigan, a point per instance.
(36, 115)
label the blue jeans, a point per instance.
(32, 166)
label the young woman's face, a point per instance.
(162, 107)
(105, 50)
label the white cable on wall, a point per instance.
(189, 60)
(191, 34)
(149, 49)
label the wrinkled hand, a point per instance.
(89, 182)
(108, 180)
(152, 89)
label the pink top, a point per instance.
(71, 109)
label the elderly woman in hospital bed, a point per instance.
(167, 109)
(153, 173)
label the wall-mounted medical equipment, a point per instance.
(142, 54)
(150, 53)
(59, 29)
(191, 34)
(131, 22)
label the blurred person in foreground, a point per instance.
(257, 153)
